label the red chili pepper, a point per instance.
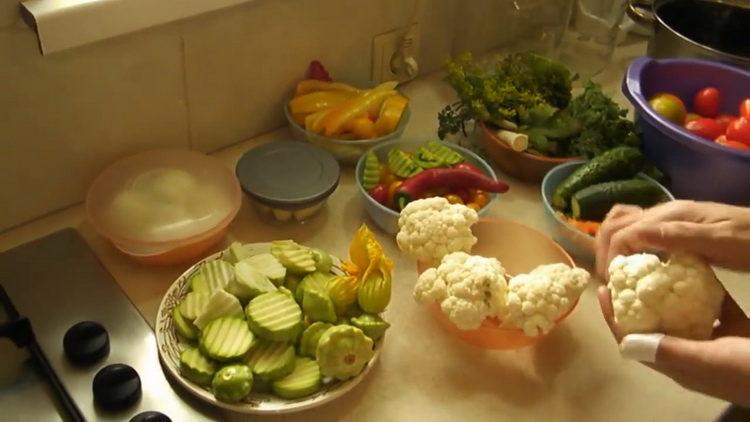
(455, 178)
(316, 70)
(380, 194)
(468, 166)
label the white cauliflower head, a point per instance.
(536, 300)
(433, 227)
(681, 297)
(468, 288)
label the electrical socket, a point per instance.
(386, 46)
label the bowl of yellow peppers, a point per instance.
(344, 119)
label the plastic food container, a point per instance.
(288, 181)
(697, 168)
(164, 206)
(386, 218)
(346, 151)
(520, 249)
(576, 242)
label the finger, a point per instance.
(605, 302)
(619, 217)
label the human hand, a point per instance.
(719, 367)
(718, 233)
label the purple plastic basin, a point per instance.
(697, 168)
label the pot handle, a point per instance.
(641, 11)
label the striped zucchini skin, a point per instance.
(196, 367)
(271, 360)
(303, 381)
(296, 258)
(193, 305)
(184, 328)
(226, 339)
(275, 316)
(444, 154)
(213, 275)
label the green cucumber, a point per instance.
(249, 282)
(226, 338)
(275, 316)
(401, 164)
(183, 327)
(594, 202)
(271, 360)
(193, 305)
(296, 258)
(196, 367)
(446, 155)
(221, 304)
(371, 171)
(372, 325)
(215, 275)
(615, 164)
(308, 343)
(269, 266)
(303, 381)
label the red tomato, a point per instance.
(745, 108)
(739, 130)
(706, 102)
(724, 120)
(722, 140)
(705, 127)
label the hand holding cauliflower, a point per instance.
(432, 228)
(681, 297)
(471, 289)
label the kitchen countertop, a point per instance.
(575, 373)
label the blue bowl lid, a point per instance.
(288, 173)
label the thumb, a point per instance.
(663, 350)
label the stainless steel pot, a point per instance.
(716, 30)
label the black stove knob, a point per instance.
(86, 342)
(150, 416)
(116, 387)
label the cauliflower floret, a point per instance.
(536, 300)
(432, 228)
(681, 297)
(468, 288)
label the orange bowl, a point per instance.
(521, 165)
(520, 249)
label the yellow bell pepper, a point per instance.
(362, 128)
(317, 101)
(300, 118)
(342, 114)
(312, 85)
(314, 121)
(390, 114)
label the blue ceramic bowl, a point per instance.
(697, 168)
(576, 242)
(386, 218)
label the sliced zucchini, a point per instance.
(221, 304)
(193, 304)
(445, 154)
(296, 258)
(271, 360)
(237, 252)
(215, 275)
(303, 381)
(249, 282)
(372, 325)
(275, 316)
(314, 281)
(269, 266)
(196, 367)
(226, 338)
(401, 164)
(371, 171)
(308, 343)
(317, 305)
(323, 261)
(183, 327)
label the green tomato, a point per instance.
(669, 107)
(232, 383)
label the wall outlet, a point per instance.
(388, 62)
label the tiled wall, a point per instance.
(204, 83)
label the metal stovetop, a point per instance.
(57, 281)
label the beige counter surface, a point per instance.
(575, 373)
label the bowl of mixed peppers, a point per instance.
(392, 174)
(345, 119)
